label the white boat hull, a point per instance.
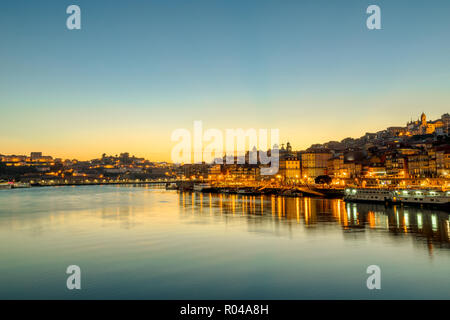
(408, 197)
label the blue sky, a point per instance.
(137, 70)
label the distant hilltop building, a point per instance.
(412, 130)
(422, 126)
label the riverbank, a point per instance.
(282, 190)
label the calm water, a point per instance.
(147, 243)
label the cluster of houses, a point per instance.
(420, 150)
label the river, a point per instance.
(143, 242)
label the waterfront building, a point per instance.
(215, 172)
(352, 169)
(314, 162)
(419, 166)
(373, 170)
(443, 162)
(237, 172)
(335, 166)
(289, 168)
(396, 165)
(195, 170)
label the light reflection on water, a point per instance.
(144, 242)
(429, 227)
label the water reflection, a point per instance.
(37, 211)
(149, 243)
(426, 226)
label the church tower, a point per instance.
(423, 119)
(288, 148)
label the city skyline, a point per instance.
(311, 69)
(214, 156)
(313, 145)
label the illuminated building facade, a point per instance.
(315, 163)
(289, 168)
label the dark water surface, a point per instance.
(148, 243)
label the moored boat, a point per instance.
(422, 196)
(4, 186)
(368, 194)
(201, 186)
(246, 192)
(16, 185)
(171, 186)
(429, 197)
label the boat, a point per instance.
(429, 197)
(422, 196)
(21, 185)
(292, 193)
(246, 192)
(4, 186)
(201, 187)
(171, 186)
(368, 195)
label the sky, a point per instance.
(138, 70)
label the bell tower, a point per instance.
(423, 119)
(288, 147)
